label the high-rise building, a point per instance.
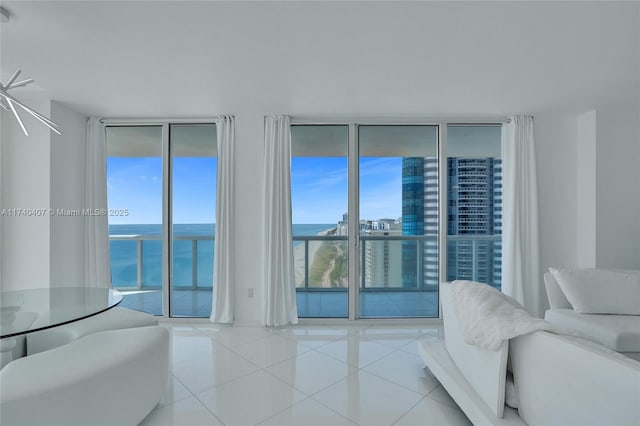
(474, 219)
(474, 209)
(413, 202)
(381, 262)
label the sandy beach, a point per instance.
(298, 256)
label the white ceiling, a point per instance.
(175, 59)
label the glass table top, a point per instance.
(25, 311)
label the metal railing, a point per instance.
(418, 266)
(140, 239)
(471, 260)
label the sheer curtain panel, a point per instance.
(280, 288)
(520, 256)
(97, 270)
(223, 277)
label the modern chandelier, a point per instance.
(8, 102)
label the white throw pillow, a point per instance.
(600, 291)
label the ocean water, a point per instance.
(191, 263)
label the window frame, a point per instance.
(167, 192)
(353, 122)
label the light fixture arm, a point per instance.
(7, 102)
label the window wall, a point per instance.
(385, 192)
(319, 202)
(398, 227)
(162, 177)
(474, 203)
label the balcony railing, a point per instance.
(408, 257)
(139, 241)
(404, 259)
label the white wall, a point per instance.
(618, 188)
(25, 173)
(589, 188)
(249, 217)
(555, 136)
(42, 171)
(578, 201)
(3, 117)
(586, 157)
(567, 183)
(67, 177)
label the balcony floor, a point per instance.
(311, 304)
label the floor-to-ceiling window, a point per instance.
(474, 203)
(193, 214)
(162, 177)
(134, 187)
(365, 188)
(319, 188)
(398, 214)
(385, 193)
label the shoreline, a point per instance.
(298, 256)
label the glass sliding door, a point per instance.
(319, 195)
(474, 203)
(398, 206)
(134, 191)
(193, 211)
(161, 189)
(370, 210)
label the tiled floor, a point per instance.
(302, 375)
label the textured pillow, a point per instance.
(600, 291)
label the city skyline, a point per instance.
(319, 189)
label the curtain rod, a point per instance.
(152, 121)
(318, 119)
(399, 120)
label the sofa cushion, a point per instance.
(556, 297)
(618, 332)
(600, 291)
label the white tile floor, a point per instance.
(303, 376)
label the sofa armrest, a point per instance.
(564, 381)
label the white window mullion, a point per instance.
(166, 221)
(354, 225)
(442, 207)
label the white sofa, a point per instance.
(112, 377)
(558, 380)
(112, 319)
(15, 347)
(620, 333)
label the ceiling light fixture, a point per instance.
(9, 102)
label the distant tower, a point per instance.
(474, 210)
(412, 215)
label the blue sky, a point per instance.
(136, 184)
(319, 189)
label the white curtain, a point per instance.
(280, 288)
(97, 270)
(223, 279)
(520, 256)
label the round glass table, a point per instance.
(26, 311)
